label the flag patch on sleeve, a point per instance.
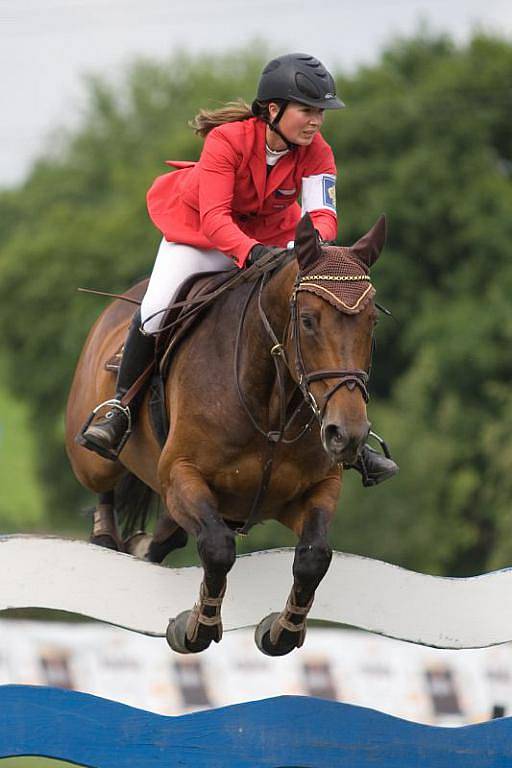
(319, 192)
(329, 187)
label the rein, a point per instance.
(349, 377)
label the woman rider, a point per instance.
(233, 205)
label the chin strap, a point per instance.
(274, 126)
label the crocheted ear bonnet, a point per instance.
(339, 278)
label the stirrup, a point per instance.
(368, 479)
(382, 443)
(112, 454)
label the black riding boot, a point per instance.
(107, 435)
(373, 466)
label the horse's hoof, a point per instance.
(138, 545)
(106, 541)
(286, 643)
(176, 633)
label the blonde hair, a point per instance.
(232, 111)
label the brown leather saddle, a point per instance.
(182, 314)
(190, 302)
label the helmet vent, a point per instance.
(307, 86)
(271, 66)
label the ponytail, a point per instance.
(232, 111)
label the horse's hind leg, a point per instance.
(195, 509)
(104, 526)
(167, 537)
(279, 633)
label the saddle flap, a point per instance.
(193, 287)
(181, 318)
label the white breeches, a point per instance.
(174, 263)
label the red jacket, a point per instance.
(227, 201)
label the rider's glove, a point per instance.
(321, 241)
(257, 252)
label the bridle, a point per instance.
(349, 377)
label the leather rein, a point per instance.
(349, 377)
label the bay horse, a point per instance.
(301, 338)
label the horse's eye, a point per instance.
(308, 322)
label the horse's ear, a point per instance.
(307, 247)
(369, 247)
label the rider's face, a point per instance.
(299, 123)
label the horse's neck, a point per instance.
(277, 297)
(260, 382)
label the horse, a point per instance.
(266, 399)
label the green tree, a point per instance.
(427, 139)
(80, 220)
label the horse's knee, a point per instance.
(217, 548)
(311, 561)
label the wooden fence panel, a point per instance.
(45, 572)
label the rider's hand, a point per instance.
(321, 241)
(257, 252)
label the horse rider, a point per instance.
(236, 203)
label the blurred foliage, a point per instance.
(21, 502)
(427, 139)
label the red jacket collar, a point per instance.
(265, 185)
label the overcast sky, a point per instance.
(45, 45)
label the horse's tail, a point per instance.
(135, 502)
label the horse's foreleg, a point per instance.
(280, 633)
(195, 509)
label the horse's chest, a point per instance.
(289, 478)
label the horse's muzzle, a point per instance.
(342, 444)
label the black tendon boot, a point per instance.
(373, 466)
(107, 435)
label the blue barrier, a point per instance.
(283, 732)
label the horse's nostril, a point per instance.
(334, 435)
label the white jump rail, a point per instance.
(74, 576)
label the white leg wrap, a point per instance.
(174, 263)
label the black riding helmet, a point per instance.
(295, 77)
